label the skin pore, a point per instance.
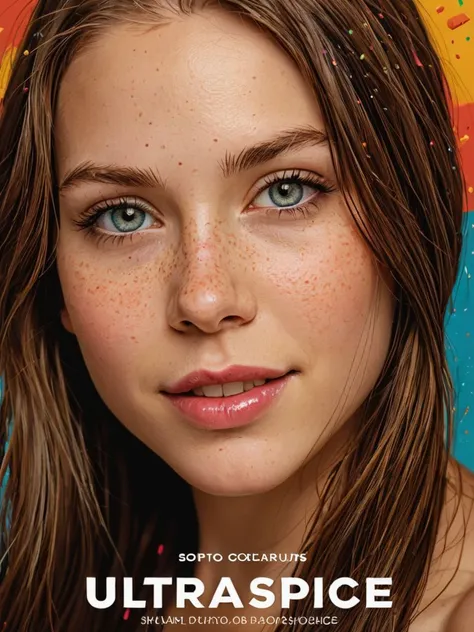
(215, 273)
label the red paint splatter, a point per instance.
(160, 549)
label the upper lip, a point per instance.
(235, 373)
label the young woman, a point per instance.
(229, 236)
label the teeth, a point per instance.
(224, 390)
(213, 391)
(233, 389)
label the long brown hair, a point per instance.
(76, 502)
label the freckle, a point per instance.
(180, 164)
(216, 140)
(147, 145)
(150, 123)
(254, 77)
(163, 146)
(140, 114)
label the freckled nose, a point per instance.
(209, 293)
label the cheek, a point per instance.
(329, 289)
(106, 309)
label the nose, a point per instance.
(210, 290)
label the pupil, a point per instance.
(128, 215)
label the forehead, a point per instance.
(209, 77)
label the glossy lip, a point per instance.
(235, 373)
(235, 411)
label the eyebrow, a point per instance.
(282, 143)
(250, 157)
(111, 174)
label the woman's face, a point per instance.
(222, 240)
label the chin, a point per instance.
(239, 479)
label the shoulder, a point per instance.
(448, 598)
(461, 618)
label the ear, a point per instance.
(66, 321)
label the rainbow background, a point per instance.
(456, 48)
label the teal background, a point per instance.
(460, 349)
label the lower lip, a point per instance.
(235, 411)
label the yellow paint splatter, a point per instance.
(5, 68)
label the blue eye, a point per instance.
(125, 218)
(119, 217)
(286, 192)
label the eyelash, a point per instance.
(87, 219)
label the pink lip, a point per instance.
(220, 413)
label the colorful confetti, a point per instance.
(417, 59)
(160, 549)
(458, 20)
(126, 614)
